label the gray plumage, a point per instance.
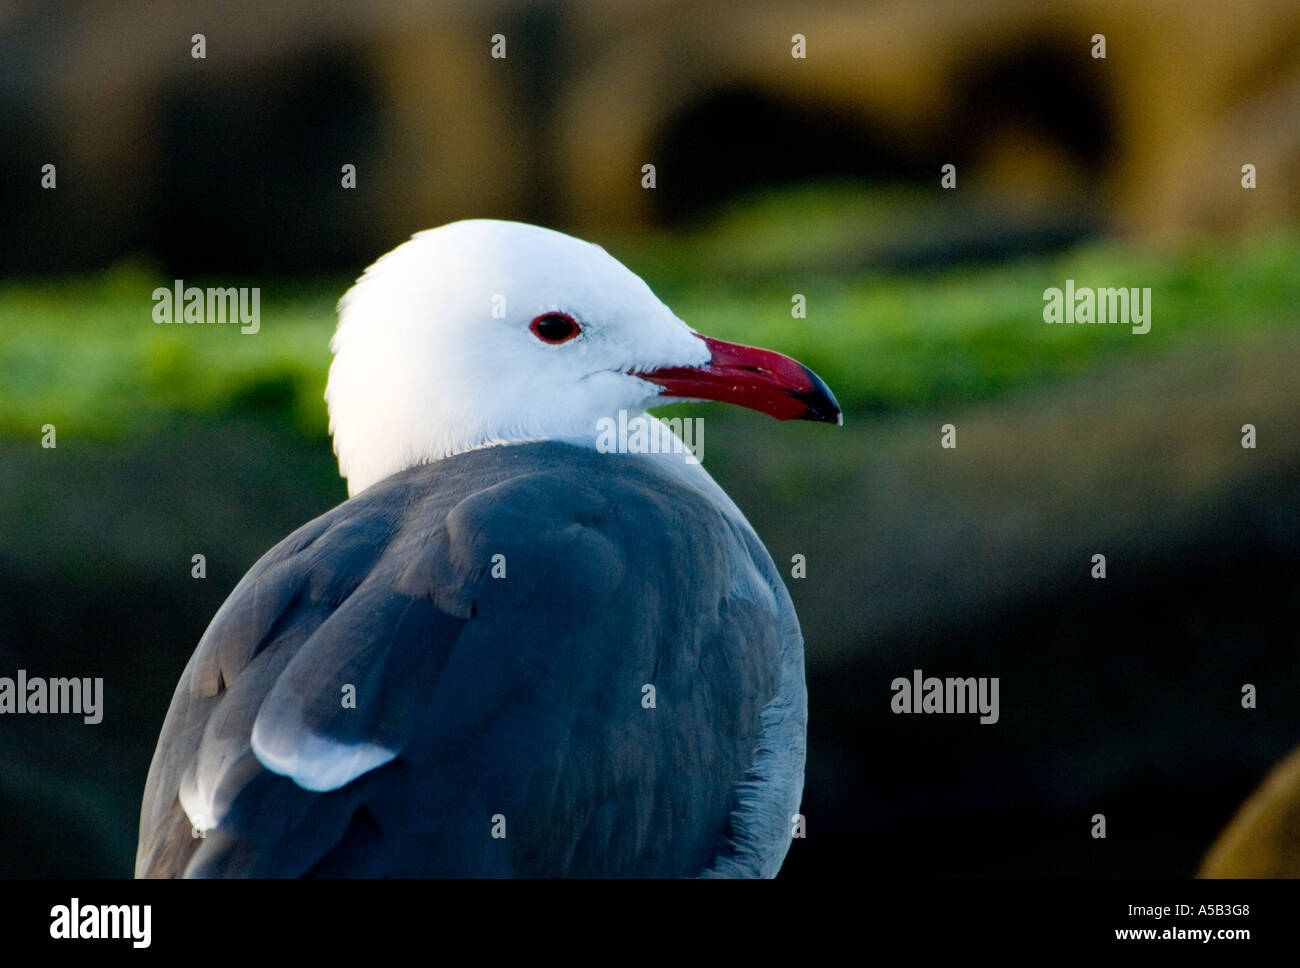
(479, 697)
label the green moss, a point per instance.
(85, 354)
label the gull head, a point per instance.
(486, 332)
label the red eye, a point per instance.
(554, 328)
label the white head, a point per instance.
(447, 344)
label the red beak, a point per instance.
(754, 378)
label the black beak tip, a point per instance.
(821, 403)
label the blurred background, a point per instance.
(775, 175)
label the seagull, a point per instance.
(514, 650)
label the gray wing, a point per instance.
(485, 705)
